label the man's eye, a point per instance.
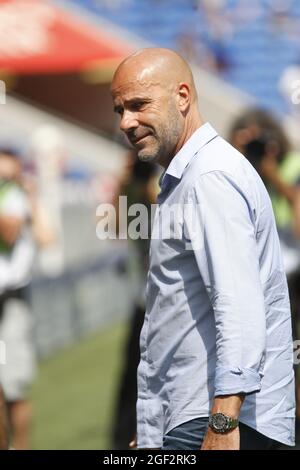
(137, 106)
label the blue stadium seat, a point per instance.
(257, 55)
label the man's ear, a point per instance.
(184, 97)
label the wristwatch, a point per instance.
(221, 423)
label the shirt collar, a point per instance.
(201, 137)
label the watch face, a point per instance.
(219, 422)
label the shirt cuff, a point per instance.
(236, 380)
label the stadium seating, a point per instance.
(257, 51)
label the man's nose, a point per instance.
(128, 121)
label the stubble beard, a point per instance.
(166, 139)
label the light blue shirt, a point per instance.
(218, 316)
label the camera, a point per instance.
(255, 150)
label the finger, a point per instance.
(132, 444)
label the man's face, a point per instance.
(149, 116)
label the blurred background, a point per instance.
(72, 304)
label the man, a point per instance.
(17, 252)
(216, 368)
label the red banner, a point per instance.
(38, 37)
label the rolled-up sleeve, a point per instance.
(221, 229)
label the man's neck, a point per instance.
(189, 130)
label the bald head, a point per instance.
(154, 92)
(162, 66)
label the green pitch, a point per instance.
(73, 396)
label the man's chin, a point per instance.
(145, 156)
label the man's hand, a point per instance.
(230, 405)
(215, 441)
(133, 443)
(268, 168)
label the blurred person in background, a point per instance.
(261, 138)
(17, 250)
(23, 227)
(139, 182)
